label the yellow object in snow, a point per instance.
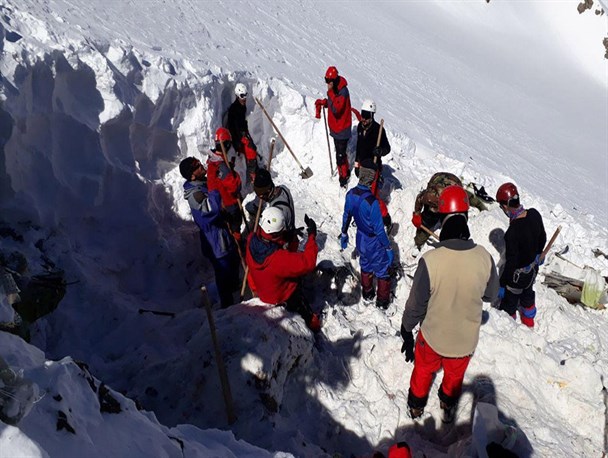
(593, 287)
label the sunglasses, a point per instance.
(243, 96)
(365, 115)
(329, 80)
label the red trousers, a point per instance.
(427, 362)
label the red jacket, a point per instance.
(224, 180)
(274, 271)
(339, 111)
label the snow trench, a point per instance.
(90, 145)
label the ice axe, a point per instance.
(331, 165)
(306, 172)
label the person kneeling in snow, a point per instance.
(524, 241)
(449, 285)
(373, 245)
(216, 243)
(274, 272)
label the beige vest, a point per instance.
(458, 280)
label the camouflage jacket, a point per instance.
(430, 196)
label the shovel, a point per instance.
(306, 172)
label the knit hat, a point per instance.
(188, 166)
(367, 172)
(263, 182)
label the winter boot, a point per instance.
(384, 293)
(527, 315)
(449, 412)
(368, 296)
(367, 286)
(415, 405)
(415, 412)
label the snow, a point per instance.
(105, 98)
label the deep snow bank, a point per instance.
(96, 130)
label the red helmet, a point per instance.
(331, 73)
(506, 193)
(222, 135)
(453, 199)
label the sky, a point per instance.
(100, 102)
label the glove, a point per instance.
(311, 225)
(321, 102)
(343, 241)
(391, 256)
(501, 293)
(417, 219)
(231, 164)
(538, 261)
(408, 345)
(378, 151)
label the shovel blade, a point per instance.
(306, 173)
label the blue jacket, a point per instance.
(206, 210)
(371, 240)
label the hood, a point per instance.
(261, 249)
(190, 187)
(342, 83)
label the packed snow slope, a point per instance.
(100, 102)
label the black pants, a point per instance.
(226, 271)
(297, 303)
(512, 300)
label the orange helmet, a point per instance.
(222, 135)
(453, 199)
(331, 73)
(507, 193)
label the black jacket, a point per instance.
(366, 142)
(524, 239)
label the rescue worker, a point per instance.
(524, 242)
(226, 181)
(274, 272)
(339, 119)
(448, 289)
(367, 138)
(425, 207)
(216, 243)
(279, 197)
(236, 122)
(375, 252)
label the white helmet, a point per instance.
(272, 220)
(369, 105)
(240, 90)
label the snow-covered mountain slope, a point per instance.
(99, 104)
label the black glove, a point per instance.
(231, 164)
(408, 345)
(311, 225)
(378, 151)
(357, 171)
